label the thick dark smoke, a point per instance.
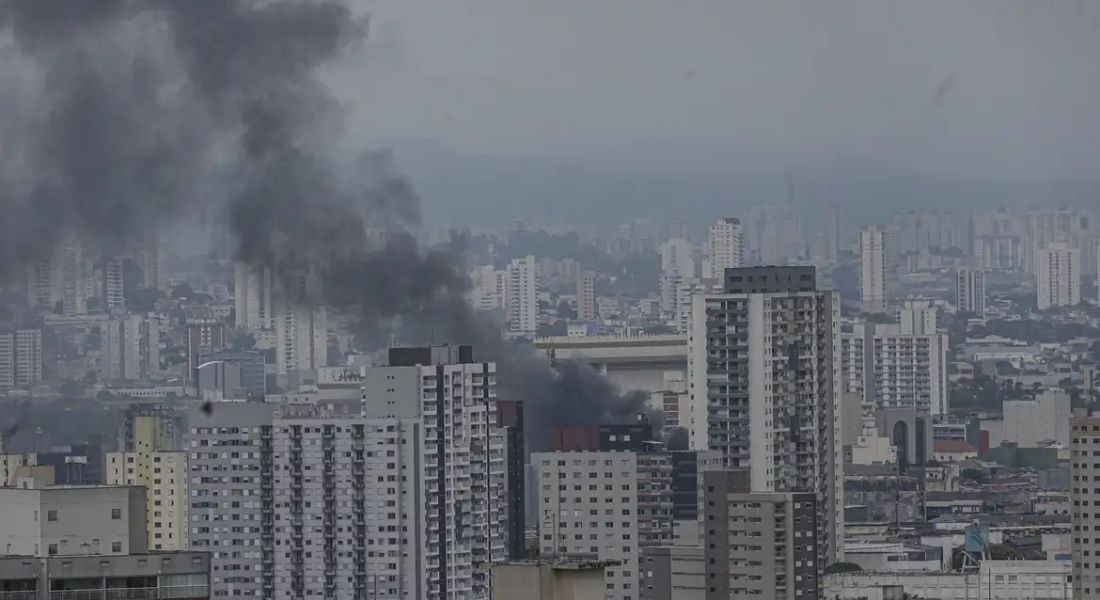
(129, 115)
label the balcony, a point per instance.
(19, 595)
(153, 593)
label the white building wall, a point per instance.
(872, 269)
(1058, 275)
(523, 296)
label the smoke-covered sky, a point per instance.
(1006, 89)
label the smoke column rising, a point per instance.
(130, 115)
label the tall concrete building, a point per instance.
(1084, 473)
(765, 386)
(586, 296)
(522, 296)
(604, 505)
(404, 500)
(970, 291)
(163, 473)
(301, 325)
(151, 258)
(20, 358)
(1096, 261)
(254, 297)
(725, 247)
(677, 266)
(677, 257)
(898, 365)
(872, 269)
(204, 336)
(1043, 228)
(130, 348)
(1057, 275)
(44, 285)
(111, 295)
(759, 544)
(74, 292)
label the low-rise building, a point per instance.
(547, 580)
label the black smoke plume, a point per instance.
(126, 116)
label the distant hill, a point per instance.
(469, 190)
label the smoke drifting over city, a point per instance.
(131, 117)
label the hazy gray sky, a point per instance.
(1001, 89)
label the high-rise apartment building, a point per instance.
(1043, 228)
(725, 247)
(44, 286)
(74, 293)
(163, 473)
(1085, 494)
(522, 296)
(301, 326)
(764, 369)
(130, 348)
(678, 257)
(485, 289)
(759, 544)
(204, 336)
(510, 419)
(604, 505)
(872, 269)
(586, 296)
(112, 292)
(20, 358)
(898, 365)
(405, 500)
(970, 291)
(254, 297)
(1057, 275)
(677, 266)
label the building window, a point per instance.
(116, 546)
(51, 515)
(116, 513)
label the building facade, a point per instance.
(872, 269)
(759, 544)
(586, 296)
(163, 473)
(406, 499)
(970, 291)
(521, 296)
(20, 358)
(765, 371)
(605, 506)
(1084, 474)
(725, 247)
(1057, 275)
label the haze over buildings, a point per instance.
(627, 300)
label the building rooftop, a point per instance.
(953, 446)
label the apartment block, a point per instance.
(764, 367)
(163, 473)
(759, 544)
(1085, 494)
(606, 506)
(405, 500)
